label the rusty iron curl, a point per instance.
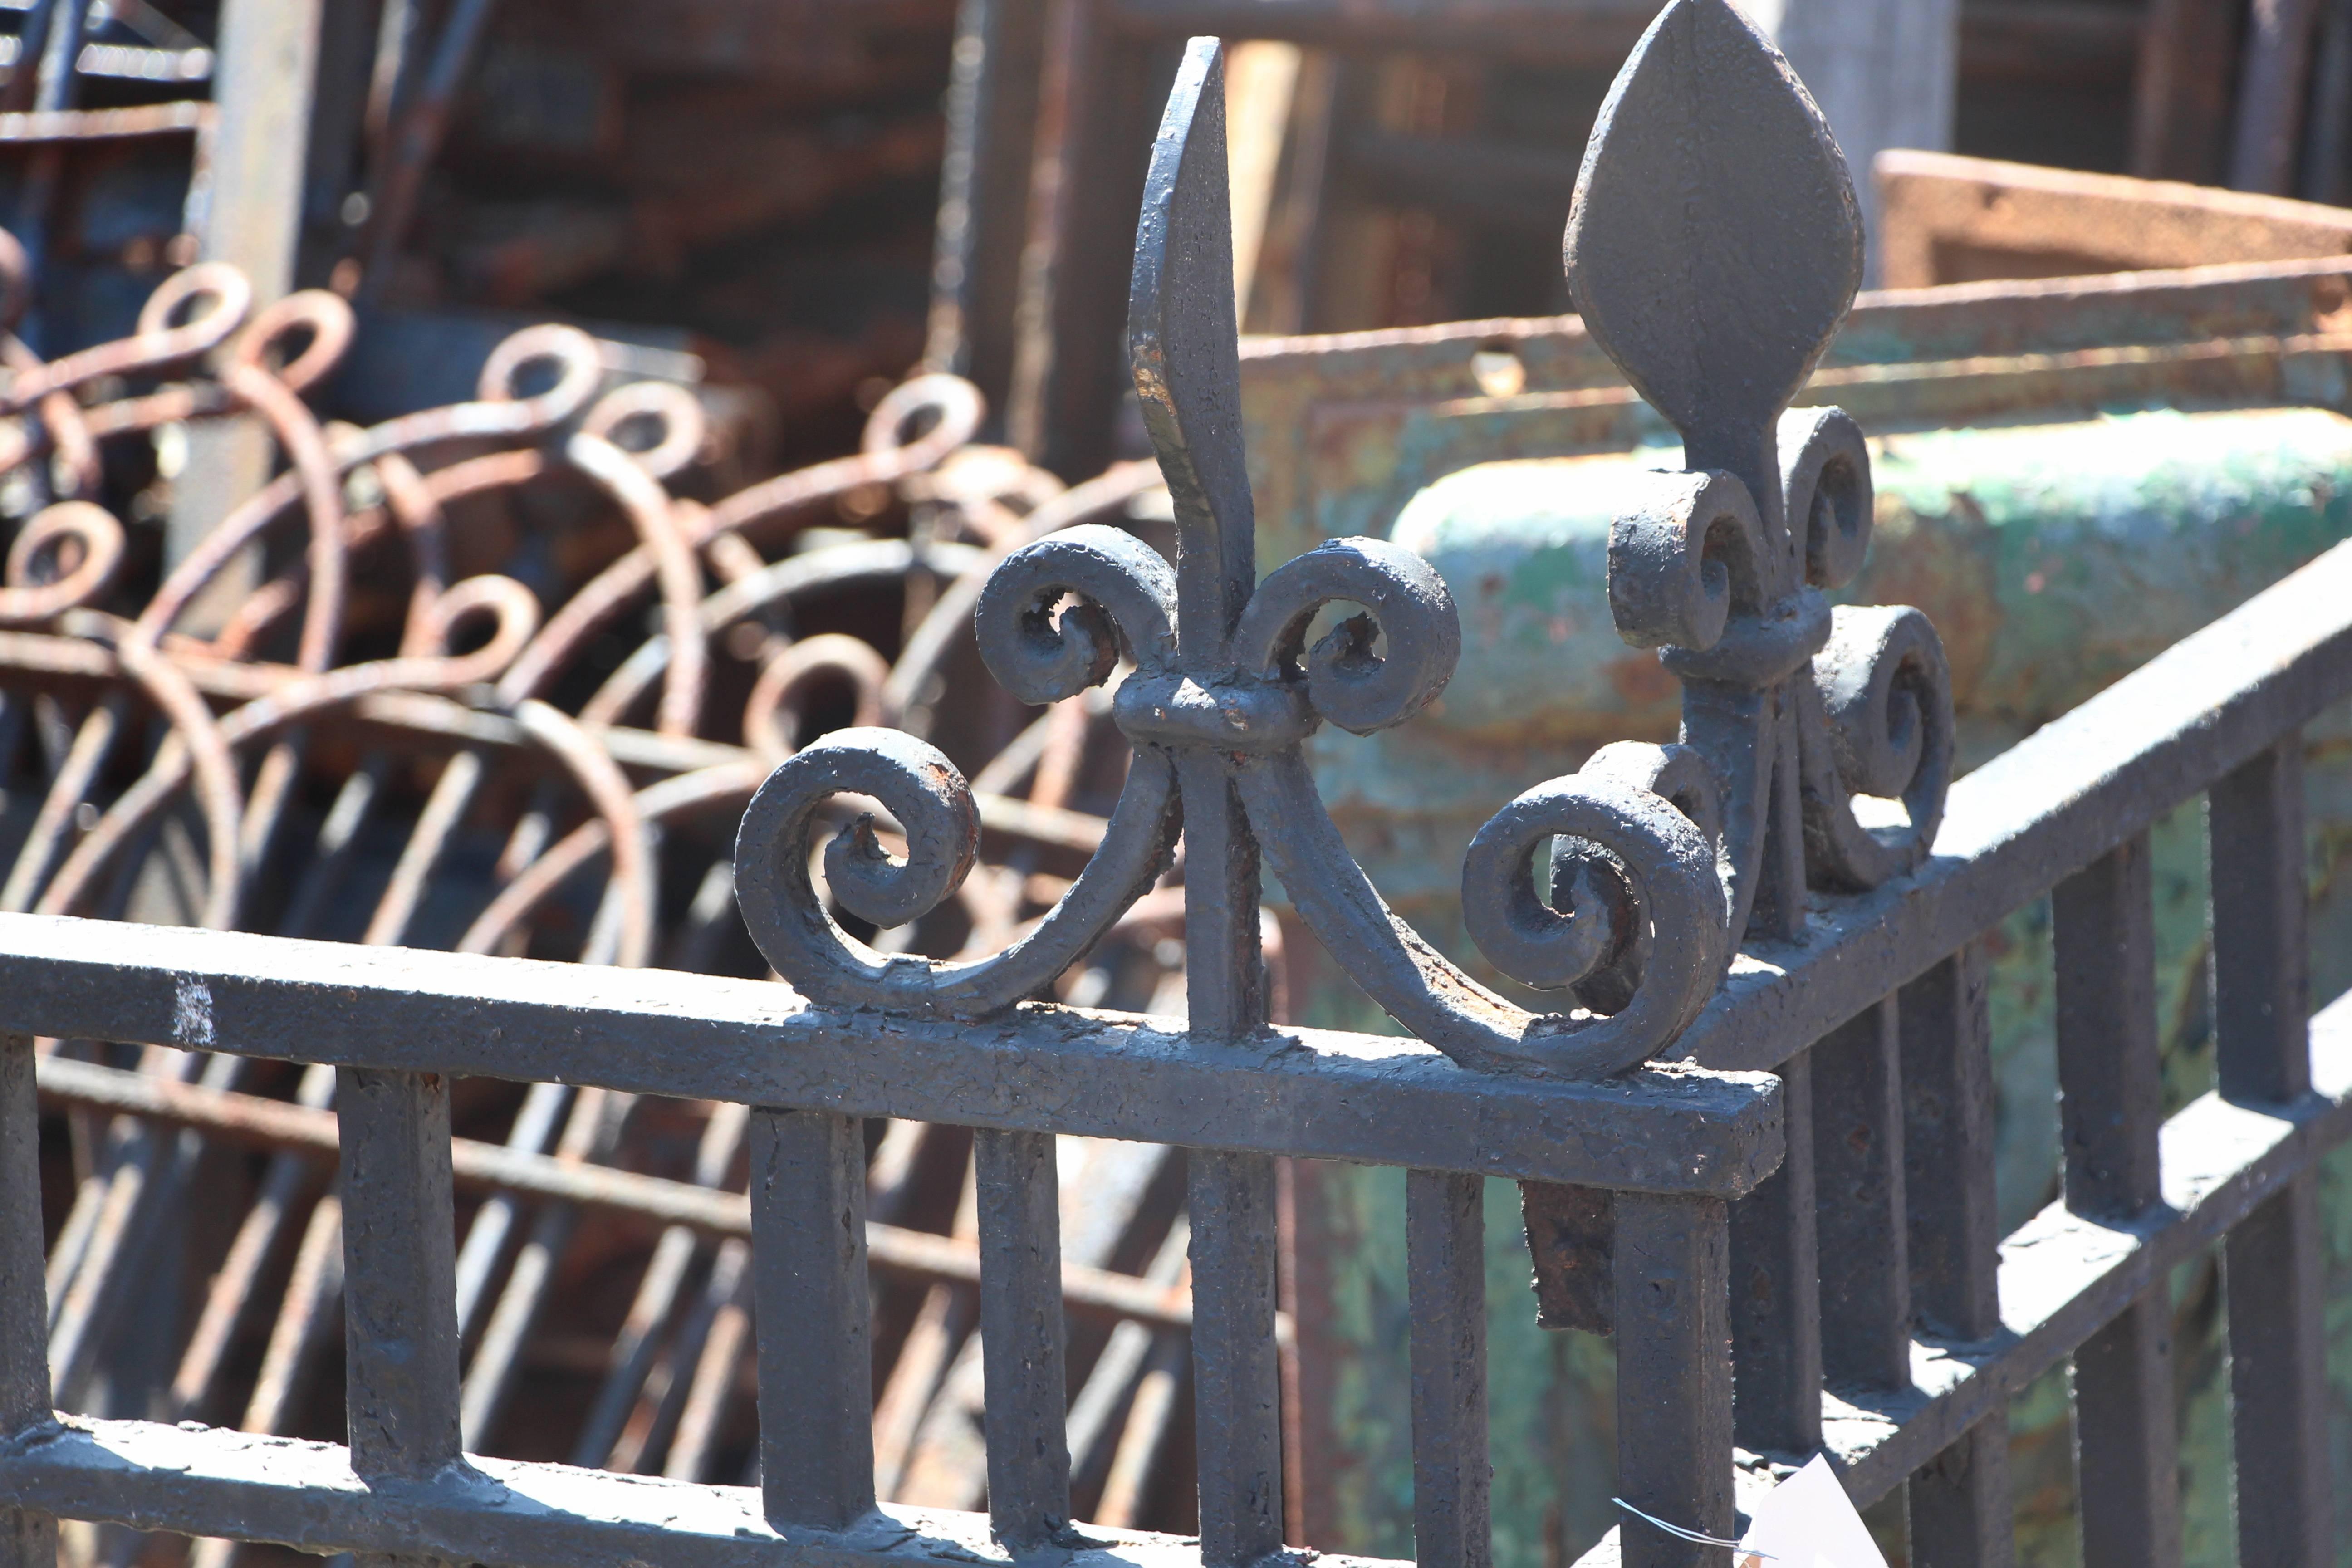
(626, 442)
(199, 749)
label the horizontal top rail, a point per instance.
(1315, 1093)
(2046, 807)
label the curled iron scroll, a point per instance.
(1635, 925)
(1125, 610)
(1634, 935)
(1725, 568)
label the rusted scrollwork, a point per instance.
(1623, 884)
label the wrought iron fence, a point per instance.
(1775, 1051)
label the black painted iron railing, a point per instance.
(1774, 1054)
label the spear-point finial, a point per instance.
(1183, 339)
(1714, 243)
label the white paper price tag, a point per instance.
(1808, 1521)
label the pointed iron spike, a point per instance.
(1183, 341)
(1714, 243)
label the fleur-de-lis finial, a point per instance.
(1181, 331)
(1656, 853)
(1714, 246)
(1221, 689)
(1714, 243)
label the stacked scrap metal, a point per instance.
(346, 716)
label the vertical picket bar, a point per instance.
(400, 1280)
(2127, 1450)
(2262, 1002)
(2110, 1108)
(1181, 335)
(1961, 1511)
(2278, 1380)
(1947, 1149)
(2262, 956)
(1231, 1196)
(1238, 1372)
(1776, 1296)
(1674, 1375)
(1237, 1368)
(1858, 1180)
(1021, 1335)
(1237, 1377)
(27, 1539)
(399, 1272)
(1445, 1266)
(812, 1305)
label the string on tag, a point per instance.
(1695, 1537)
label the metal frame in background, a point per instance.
(1050, 111)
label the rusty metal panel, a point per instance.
(1948, 219)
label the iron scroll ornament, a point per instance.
(1221, 689)
(1829, 731)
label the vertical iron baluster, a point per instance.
(1776, 1300)
(1960, 1503)
(27, 1539)
(1947, 1149)
(400, 1275)
(2125, 1448)
(1858, 1178)
(400, 1262)
(1445, 1249)
(1181, 338)
(2278, 1380)
(1236, 1378)
(811, 1297)
(1674, 1375)
(2111, 1105)
(1231, 1198)
(1021, 1335)
(2262, 1000)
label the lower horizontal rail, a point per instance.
(202, 1480)
(107, 124)
(2063, 1277)
(258, 1122)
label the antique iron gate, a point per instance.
(1776, 1052)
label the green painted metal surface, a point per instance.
(2053, 558)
